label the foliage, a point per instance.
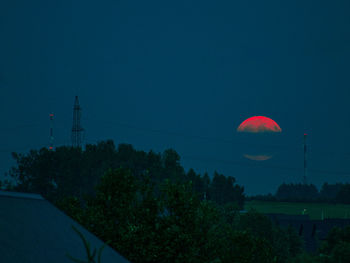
(70, 171)
(335, 249)
(315, 211)
(343, 195)
(285, 243)
(335, 237)
(297, 193)
(243, 246)
(307, 258)
(175, 225)
(330, 193)
(71, 206)
(223, 190)
(149, 209)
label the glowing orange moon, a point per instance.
(258, 124)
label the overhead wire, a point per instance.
(284, 147)
(198, 137)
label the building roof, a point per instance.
(32, 230)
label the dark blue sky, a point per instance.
(183, 75)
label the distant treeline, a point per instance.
(330, 193)
(69, 171)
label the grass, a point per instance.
(314, 210)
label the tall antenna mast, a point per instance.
(77, 130)
(305, 163)
(51, 132)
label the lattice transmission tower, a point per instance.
(77, 129)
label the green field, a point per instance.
(314, 210)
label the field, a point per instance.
(314, 210)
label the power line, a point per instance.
(191, 136)
(211, 139)
(261, 165)
(295, 145)
(285, 147)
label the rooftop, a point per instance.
(32, 230)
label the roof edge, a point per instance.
(20, 195)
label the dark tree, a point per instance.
(329, 192)
(223, 190)
(297, 193)
(172, 226)
(336, 248)
(343, 196)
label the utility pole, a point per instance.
(77, 130)
(305, 160)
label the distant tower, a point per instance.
(51, 132)
(305, 163)
(77, 130)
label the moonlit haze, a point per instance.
(184, 75)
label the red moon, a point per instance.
(258, 124)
